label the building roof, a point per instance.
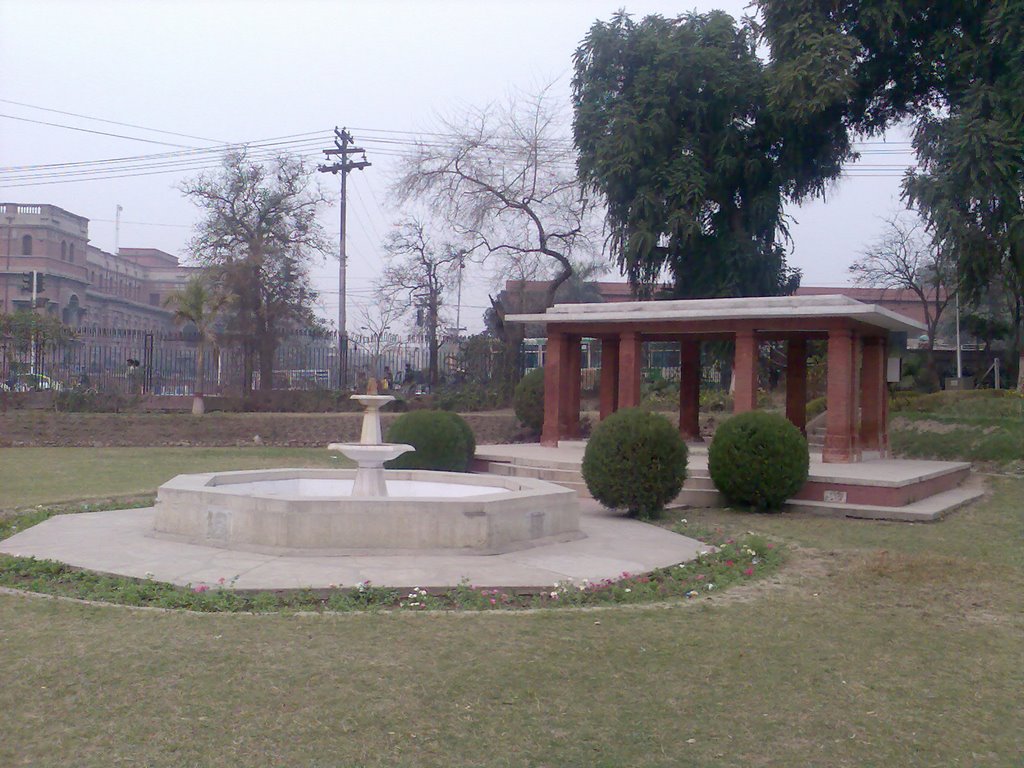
(766, 308)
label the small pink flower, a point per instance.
(770, 546)
(749, 571)
(493, 601)
(730, 563)
(220, 580)
(700, 577)
(201, 588)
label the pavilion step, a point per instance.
(551, 474)
(698, 483)
(923, 511)
(564, 477)
(699, 497)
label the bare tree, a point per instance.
(378, 319)
(418, 276)
(904, 257)
(504, 179)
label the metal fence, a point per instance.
(129, 362)
(165, 364)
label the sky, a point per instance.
(197, 74)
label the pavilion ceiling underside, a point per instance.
(671, 330)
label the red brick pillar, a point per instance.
(841, 436)
(571, 412)
(689, 388)
(556, 364)
(796, 383)
(874, 397)
(630, 361)
(609, 387)
(744, 371)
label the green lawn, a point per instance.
(879, 644)
(48, 475)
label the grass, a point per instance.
(983, 426)
(53, 475)
(879, 644)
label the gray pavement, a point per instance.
(871, 471)
(121, 542)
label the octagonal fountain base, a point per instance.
(312, 511)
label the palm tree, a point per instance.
(201, 306)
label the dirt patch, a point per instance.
(807, 572)
(300, 430)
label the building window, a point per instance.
(63, 250)
(26, 245)
(71, 253)
(154, 299)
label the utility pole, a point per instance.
(342, 146)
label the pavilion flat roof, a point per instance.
(753, 308)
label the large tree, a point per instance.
(257, 238)
(955, 70)
(675, 130)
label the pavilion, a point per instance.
(858, 344)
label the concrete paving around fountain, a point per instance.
(122, 542)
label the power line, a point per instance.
(99, 133)
(274, 140)
(111, 122)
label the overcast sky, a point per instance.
(229, 71)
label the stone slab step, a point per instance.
(699, 497)
(923, 511)
(698, 483)
(501, 468)
(562, 477)
(552, 463)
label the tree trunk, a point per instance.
(198, 406)
(268, 345)
(248, 352)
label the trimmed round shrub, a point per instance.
(816, 407)
(467, 434)
(439, 441)
(758, 459)
(635, 460)
(528, 399)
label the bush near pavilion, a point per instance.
(528, 399)
(635, 460)
(758, 459)
(441, 443)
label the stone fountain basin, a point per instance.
(311, 511)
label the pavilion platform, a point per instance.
(908, 490)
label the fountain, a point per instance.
(371, 451)
(368, 510)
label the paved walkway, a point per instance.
(121, 542)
